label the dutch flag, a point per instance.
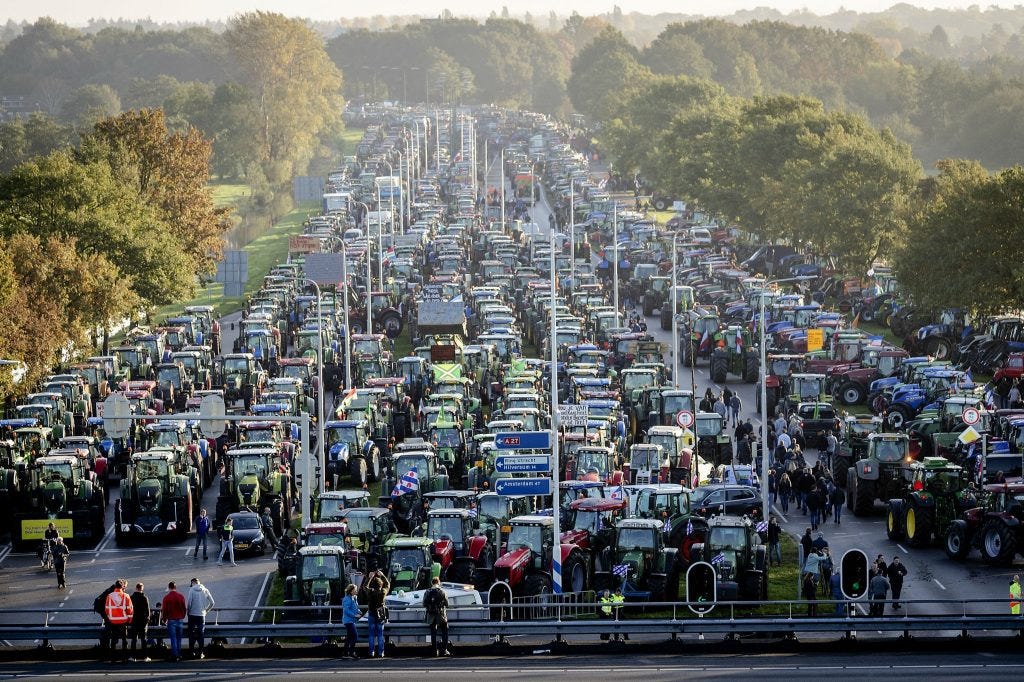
(409, 483)
(617, 493)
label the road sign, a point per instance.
(969, 435)
(116, 413)
(571, 416)
(523, 486)
(815, 339)
(971, 416)
(684, 419)
(523, 440)
(701, 587)
(210, 408)
(522, 464)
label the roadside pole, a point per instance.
(556, 559)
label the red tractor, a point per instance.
(849, 382)
(465, 555)
(594, 463)
(525, 567)
(1010, 372)
(995, 528)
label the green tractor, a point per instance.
(935, 496)
(698, 330)
(243, 378)
(408, 563)
(319, 581)
(62, 490)
(430, 476)
(853, 444)
(254, 479)
(652, 568)
(880, 474)
(735, 354)
(734, 548)
(657, 289)
(155, 500)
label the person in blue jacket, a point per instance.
(350, 615)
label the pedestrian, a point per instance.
(809, 593)
(198, 602)
(897, 571)
(435, 604)
(804, 488)
(805, 543)
(774, 541)
(617, 601)
(831, 443)
(173, 611)
(721, 409)
(836, 583)
(60, 562)
(119, 615)
(1014, 397)
(785, 492)
(881, 565)
(202, 532)
(140, 622)
(267, 523)
(605, 612)
(838, 498)
(878, 589)
(819, 543)
(814, 504)
(825, 568)
(350, 615)
(735, 405)
(376, 612)
(227, 542)
(99, 605)
(1015, 596)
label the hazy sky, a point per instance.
(79, 11)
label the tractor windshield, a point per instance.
(644, 458)
(635, 538)
(166, 439)
(416, 463)
(445, 528)
(782, 367)
(190, 363)
(667, 503)
(890, 450)
(725, 537)
(592, 462)
(807, 387)
(493, 507)
(590, 520)
(406, 559)
(636, 380)
(678, 403)
(861, 429)
(321, 567)
(367, 347)
(151, 469)
(55, 472)
(887, 365)
(236, 365)
(706, 325)
(530, 537)
(250, 464)
(445, 437)
(345, 435)
(709, 425)
(28, 441)
(295, 372)
(325, 539)
(258, 436)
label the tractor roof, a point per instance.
(938, 464)
(344, 494)
(667, 430)
(345, 424)
(406, 542)
(371, 512)
(652, 524)
(322, 550)
(533, 520)
(450, 494)
(597, 504)
(577, 485)
(153, 455)
(450, 512)
(729, 521)
(56, 459)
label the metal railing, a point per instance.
(567, 619)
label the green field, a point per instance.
(229, 194)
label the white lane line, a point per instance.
(5, 552)
(935, 580)
(779, 514)
(259, 598)
(904, 549)
(105, 541)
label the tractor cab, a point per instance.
(409, 563)
(529, 544)
(135, 360)
(644, 466)
(330, 504)
(807, 388)
(450, 499)
(592, 522)
(594, 464)
(368, 529)
(320, 577)
(713, 443)
(677, 447)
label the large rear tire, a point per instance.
(894, 520)
(358, 471)
(574, 575)
(719, 367)
(917, 525)
(957, 546)
(852, 393)
(998, 543)
(751, 368)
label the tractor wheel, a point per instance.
(660, 204)
(840, 465)
(867, 314)
(957, 545)
(358, 471)
(938, 347)
(894, 520)
(917, 525)
(751, 368)
(851, 393)
(998, 542)
(666, 319)
(750, 585)
(898, 416)
(865, 495)
(461, 571)
(373, 470)
(277, 515)
(648, 306)
(656, 585)
(357, 327)
(392, 324)
(574, 575)
(719, 367)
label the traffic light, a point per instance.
(854, 574)
(701, 587)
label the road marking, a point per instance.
(779, 514)
(105, 541)
(936, 581)
(6, 552)
(259, 598)
(902, 548)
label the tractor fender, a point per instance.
(868, 470)
(1010, 520)
(444, 552)
(476, 547)
(921, 499)
(568, 549)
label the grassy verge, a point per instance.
(229, 193)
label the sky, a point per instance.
(78, 12)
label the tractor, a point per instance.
(409, 563)
(697, 334)
(255, 478)
(594, 463)
(735, 354)
(714, 444)
(155, 499)
(60, 489)
(330, 504)
(651, 570)
(464, 553)
(319, 581)
(995, 528)
(173, 386)
(351, 449)
(853, 443)
(243, 378)
(670, 504)
(734, 548)
(935, 497)
(413, 474)
(780, 367)
(678, 465)
(369, 529)
(880, 474)
(524, 569)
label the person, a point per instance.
(721, 410)
(119, 612)
(805, 542)
(881, 565)
(350, 615)
(814, 504)
(617, 601)
(774, 541)
(227, 542)
(376, 613)
(140, 621)
(267, 523)
(825, 568)
(785, 492)
(735, 405)
(605, 612)
(819, 543)
(435, 603)
(50, 536)
(809, 593)
(198, 602)
(1015, 596)
(838, 498)
(202, 533)
(831, 443)
(99, 605)
(878, 588)
(60, 562)
(897, 571)
(173, 611)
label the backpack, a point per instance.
(433, 600)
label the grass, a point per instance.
(229, 194)
(351, 137)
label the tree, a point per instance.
(89, 103)
(605, 73)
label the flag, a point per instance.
(704, 341)
(762, 527)
(617, 493)
(389, 256)
(620, 570)
(410, 482)
(968, 379)
(668, 526)
(718, 558)
(689, 527)
(856, 320)
(739, 343)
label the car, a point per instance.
(724, 498)
(249, 537)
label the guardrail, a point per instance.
(728, 618)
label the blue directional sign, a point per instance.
(522, 464)
(523, 486)
(523, 440)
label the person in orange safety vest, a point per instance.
(119, 612)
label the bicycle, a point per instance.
(46, 555)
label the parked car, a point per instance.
(249, 537)
(724, 498)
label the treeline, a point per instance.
(91, 233)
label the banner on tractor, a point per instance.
(447, 372)
(34, 529)
(298, 243)
(815, 339)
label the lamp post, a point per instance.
(320, 385)
(369, 280)
(344, 303)
(615, 266)
(556, 565)
(675, 310)
(502, 160)
(572, 234)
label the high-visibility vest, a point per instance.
(119, 608)
(607, 610)
(1015, 599)
(618, 599)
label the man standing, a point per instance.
(99, 605)
(198, 602)
(227, 542)
(435, 603)
(173, 611)
(202, 531)
(774, 541)
(60, 561)
(1015, 596)
(831, 443)
(140, 621)
(267, 523)
(735, 405)
(838, 498)
(878, 588)
(897, 571)
(119, 614)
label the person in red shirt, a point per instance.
(172, 612)
(119, 611)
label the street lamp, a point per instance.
(344, 303)
(369, 274)
(615, 267)
(320, 383)
(556, 566)
(675, 311)
(502, 188)
(572, 233)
